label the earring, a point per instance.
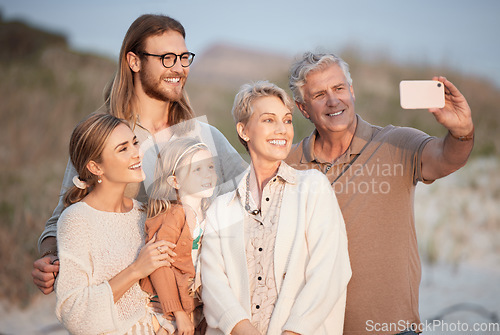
(99, 180)
(246, 139)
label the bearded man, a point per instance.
(148, 92)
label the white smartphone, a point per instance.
(421, 94)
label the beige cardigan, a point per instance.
(311, 262)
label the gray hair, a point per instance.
(248, 93)
(312, 62)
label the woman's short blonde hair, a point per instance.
(248, 93)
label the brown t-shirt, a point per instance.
(375, 182)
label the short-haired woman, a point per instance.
(274, 256)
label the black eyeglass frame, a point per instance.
(171, 54)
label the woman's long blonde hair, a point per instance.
(176, 153)
(86, 144)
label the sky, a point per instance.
(458, 34)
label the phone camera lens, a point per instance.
(439, 84)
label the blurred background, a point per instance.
(57, 56)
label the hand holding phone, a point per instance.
(421, 94)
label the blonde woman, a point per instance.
(274, 258)
(100, 235)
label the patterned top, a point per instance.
(195, 254)
(260, 237)
(197, 236)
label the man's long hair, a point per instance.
(120, 92)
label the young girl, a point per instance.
(185, 179)
(100, 235)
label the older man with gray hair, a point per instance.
(374, 171)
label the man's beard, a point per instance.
(152, 88)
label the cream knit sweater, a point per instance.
(93, 247)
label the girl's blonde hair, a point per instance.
(175, 154)
(86, 144)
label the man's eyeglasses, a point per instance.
(169, 59)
